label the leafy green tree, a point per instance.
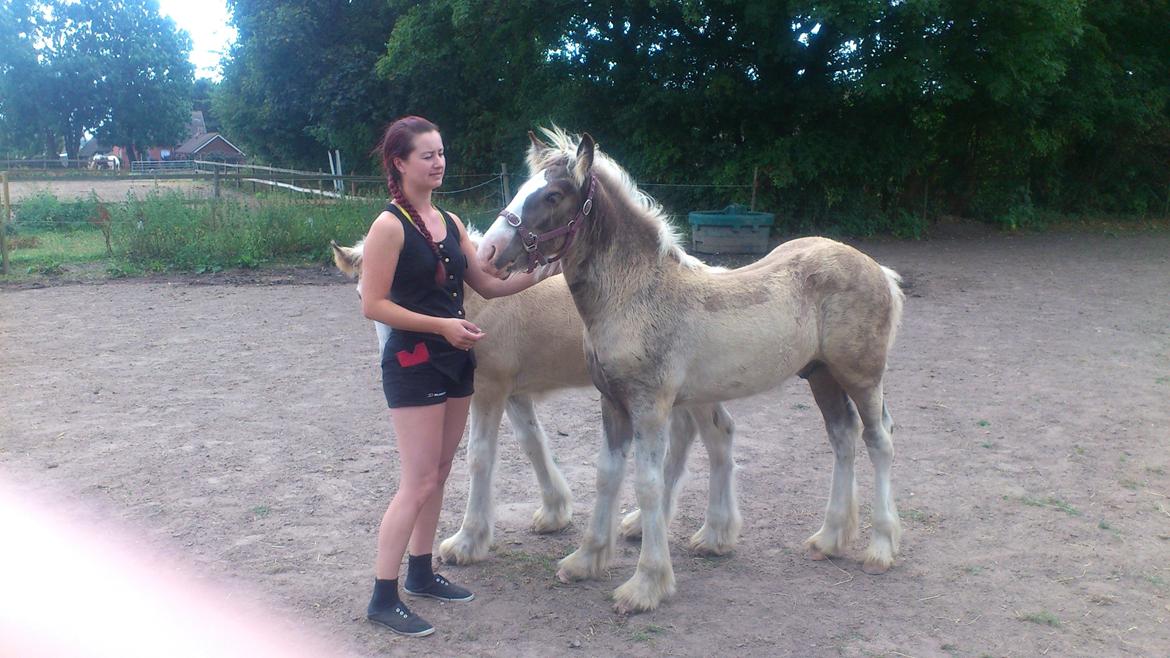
(25, 127)
(858, 114)
(300, 80)
(146, 77)
(114, 68)
(479, 70)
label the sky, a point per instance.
(208, 23)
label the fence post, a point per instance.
(755, 186)
(217, 182)
(507, 188)
(4, 224)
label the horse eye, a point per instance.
(553, 197)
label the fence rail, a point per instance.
(45, 164)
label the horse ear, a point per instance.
(536, 143)
(535, 152)
(584, 158)
(348, 259)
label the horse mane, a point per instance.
(564, 150)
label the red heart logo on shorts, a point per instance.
(419, 355)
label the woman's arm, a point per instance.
(489, 286)
(379, 261)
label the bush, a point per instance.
(44, 212)
(169, 231)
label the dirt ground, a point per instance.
(110, 190)
(239, 429)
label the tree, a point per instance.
(857, 114)
(113, 68)
(23, 127)
(300, 80)
(146, 75)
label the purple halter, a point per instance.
(532, 240)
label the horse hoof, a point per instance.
(814, 554)
(875, 568)
(631, 526)
(642, 593)
(549, 519)
(461, 549)
(582, 564)
(712, 541)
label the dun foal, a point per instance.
(663, 334)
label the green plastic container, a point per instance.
(733, 230)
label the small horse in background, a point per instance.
(534, 346)
(662, 334)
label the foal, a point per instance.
(661, 334)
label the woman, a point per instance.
(415, 261)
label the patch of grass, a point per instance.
(1130, 484)
(1052, 502)
(174, 231)
(123, 270)
(1156, 470)
(1154, 579)
(983, 423)
(987, 444)
(526, 561)
(913, 514)
(53, 248)
(1079, 450)
(47, 269)
(647, 634)
(261, 511)
(1043, 618)
(1162, 380)
(950, 648)
(1107, 527)
(973, 570)
(22, 242)
(800, 406)
(709, 561)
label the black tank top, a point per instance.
(414, 288)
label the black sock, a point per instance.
(419, 575)
(385, 595)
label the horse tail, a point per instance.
(897, 297)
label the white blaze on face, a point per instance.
(501, 233)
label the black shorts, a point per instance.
(426, 375)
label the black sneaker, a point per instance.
(442, 589)
(402, 621)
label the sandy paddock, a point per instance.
(234, 425)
